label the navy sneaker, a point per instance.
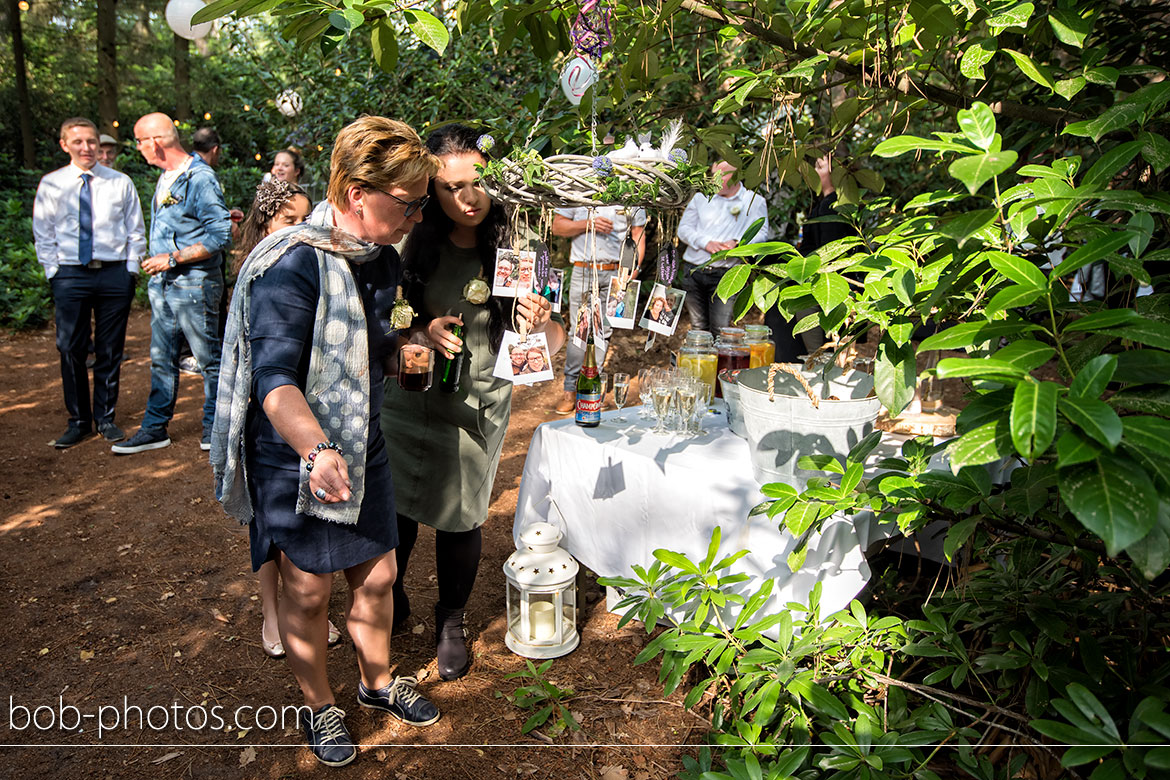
(111, 432)
(205, 442)
(402, 700)
(141, 442)
(327, 736)
(73, 435)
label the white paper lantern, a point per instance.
(289, 102)
(179, 13)
(576, 77)
(541, 600)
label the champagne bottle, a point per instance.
(588, 413)
(452, 367)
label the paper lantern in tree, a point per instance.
(289, 102)
(179, 13)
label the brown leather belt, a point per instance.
(598, 266)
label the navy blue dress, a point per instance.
(284, 306)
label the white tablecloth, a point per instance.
(624, 492)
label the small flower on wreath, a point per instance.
(735, 211)
(476, 292)
(603, 165)
(485, 143)
(678, 157)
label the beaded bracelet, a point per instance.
(325, 445)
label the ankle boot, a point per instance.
(450, 647)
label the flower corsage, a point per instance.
(476, 291)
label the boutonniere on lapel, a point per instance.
(735, 210)
(169, 200)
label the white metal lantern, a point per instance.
(542, 595)
(179, 13)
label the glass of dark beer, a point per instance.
(416, 367)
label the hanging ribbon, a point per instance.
(591, 33)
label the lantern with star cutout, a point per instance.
(541, 595)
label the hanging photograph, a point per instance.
(515, 271)
(580, 326)
(662, 309)
(621, 306)
(554, 287)
(524, 361)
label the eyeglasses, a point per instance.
(411, 205)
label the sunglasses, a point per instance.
(411, 205)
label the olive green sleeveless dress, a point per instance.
(445, 447)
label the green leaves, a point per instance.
(830, 290)
(384, 43)
(1029, 68)
(894, 374)
(429, 29)
(1033, 417)
(1094, 418)
(1112, 497)
(1018, 269)
(986, 444)
(976, 170)
(978, 125)
(976, 56)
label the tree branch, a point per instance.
(903, 84)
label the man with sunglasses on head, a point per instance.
(190, 232)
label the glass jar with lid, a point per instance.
(731, 352)
(760, 345)
(697, 357)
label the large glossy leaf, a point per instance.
(1103, 320)
(800, 268)
(977, 169)
(955, 368)
(1028, 354)
(963, 226)
(1020, 270)
(1112, 497)
(970, 334)
(1093, 378)
(733, 281)
(1152, 399)
(900, 144)
(1069, 26)
(429, 30)
(1139, 366)
(1152, 333)
(894, 374)
(384, 42)
(978, 125)
(1033, 417)
(1152, 552)
(988, 443)
(1094, 418)
(976, 56)
(1095, 250)
(1017, 16)
(1032, 70)
(830, 290)
(1151, 433)
(1074, 447)
(1156, 150)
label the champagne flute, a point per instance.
(684, 398)
(621, 388)
(602, 378)
(661, 395)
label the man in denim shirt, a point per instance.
(190, 231)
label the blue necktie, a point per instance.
(85, 222)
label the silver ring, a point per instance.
(320, 493)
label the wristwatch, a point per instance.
(172, 259)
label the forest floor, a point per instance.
(127, 588)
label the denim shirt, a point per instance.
(199, 216)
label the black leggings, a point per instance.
(456, 561)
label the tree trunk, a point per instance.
(28, 150)
(107, 62)
(182, 79)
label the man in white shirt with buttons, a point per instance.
(711, 225)
(90, 238)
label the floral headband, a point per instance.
(272, 195)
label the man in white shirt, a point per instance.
(711, 225)
(90, 238)
(610, 225)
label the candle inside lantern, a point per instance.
(542, 618)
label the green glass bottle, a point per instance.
(452, 368)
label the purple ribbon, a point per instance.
(590, 33)
(668, 265)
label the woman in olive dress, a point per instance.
(447, 445)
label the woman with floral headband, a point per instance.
(447, 445)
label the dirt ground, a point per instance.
(128, 588)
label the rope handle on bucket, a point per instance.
(812, 397)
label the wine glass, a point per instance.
(621, 388)
(685, 395)
(602, 377)
(662, 396)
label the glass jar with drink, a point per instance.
(732, 354)
(697, 357)
(761, 348)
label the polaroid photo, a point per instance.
(554, 288)
(524, 361)
(663, 309)
(580, 329)
(621, 307)
(515, 273)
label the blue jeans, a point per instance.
(187, 303)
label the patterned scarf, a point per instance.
(338, 385)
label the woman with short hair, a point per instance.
(297, 447)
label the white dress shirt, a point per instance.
(720, 219)
(609, 245)
(119, 232)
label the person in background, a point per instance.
(601, 255)
(710, 225)
(89, 237)
(277, 205)
(108, 151)
(447, 445)
(190, 231)
(298, 451)
(288, 165)
(814, 235)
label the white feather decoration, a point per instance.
(670, 138)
